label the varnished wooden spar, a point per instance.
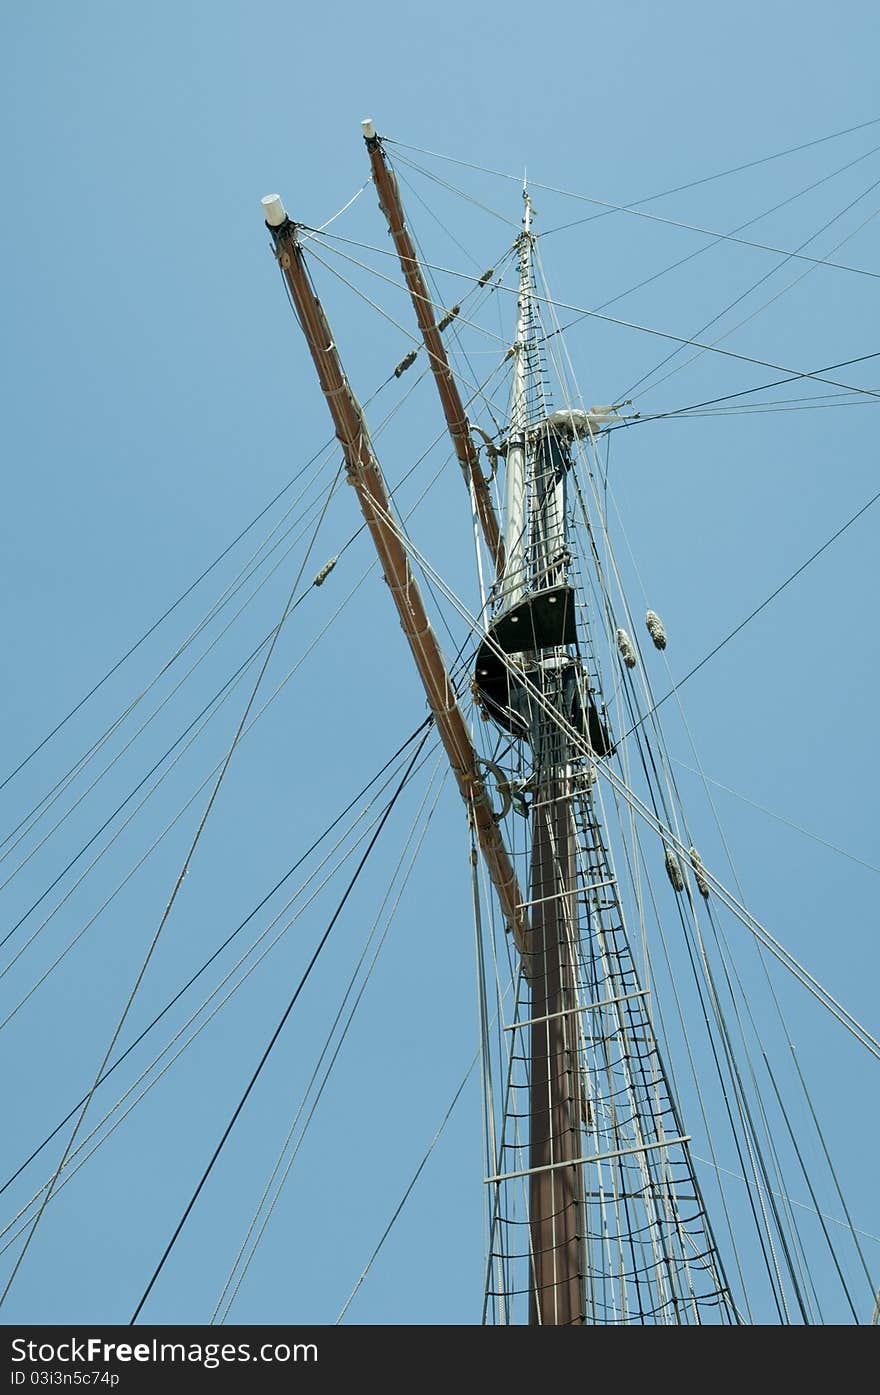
(450, 398)
(366, 475)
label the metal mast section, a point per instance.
(365, 474)
(617, 1231)
(450, 398)
(556, 1175)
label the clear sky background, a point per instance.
(157, 396)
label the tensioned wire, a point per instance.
(171, 900)
(711, 232)
(751, 616)
(792, 375)
(275, 1035)
(128, 744)
(345, 857)
(271, 699)
(247, 571)
(583, 312)
(691, 256)
(204, 782)
(440, 435)
(753, 287)
(415, 338)
(780, 818)
(219, 558)
(680, 412)
(259, 906)
(172, 823)
(167, 698)
(194, 584)
(679, 188)
(236, 1278)
(164, 616)
(244, 575)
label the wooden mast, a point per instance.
(450, 398)
(365, 473)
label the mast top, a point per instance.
(528, 209)
(273, 210)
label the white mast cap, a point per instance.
(273, 210)
(368, 128)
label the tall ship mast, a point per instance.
(596, 1214)
(649, 1150)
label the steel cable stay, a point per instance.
(665, 193)
(712, 233)
(140, 730)
(164, 616)
(170, 904)
(793, 375)
(225, 692)
(496, 338)
(70, 1171)
(480, 389)
(275, 1035)
(327, 445)
(779, 818)
(409, 1190)
(416, 836)
(254, 563)
(191, 800)
(339, 554)
(245, 574)
(676, 413)
(753, 287)
(204, 718)
(700, 251)
(171, 824)
(207, 963)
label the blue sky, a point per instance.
(158, 395)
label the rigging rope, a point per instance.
(275, 1035)
(757, 611)
(171, 900)
(665, 193)
(441, 761)
(217, 952)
